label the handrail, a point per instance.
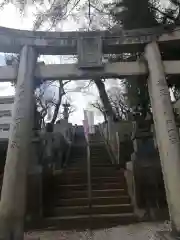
(89, 177)
(69, 150)
(118, 147)
(108, 147)
(67, 155)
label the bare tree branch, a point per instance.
(100, 108)
(58, 104)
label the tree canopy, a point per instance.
(135, 14)
(125, 15)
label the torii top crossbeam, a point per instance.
(65, 43)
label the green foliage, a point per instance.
(135, 14)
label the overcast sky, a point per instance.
(10, 17)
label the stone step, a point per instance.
(96, 209)
(93, 158)
(108, 165)
(95, 201)
(83, 165)
(95, 173)
(84, 221)
(97, 149)
(104, 161)
(103, 152)
(109, 192)
(78, 164)
(95, 193)
(95, 186)
(103, 167)
(95, 163)
(97, 145)
(78, 160)
(69, 206)
(79, 180)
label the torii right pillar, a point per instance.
(166, 132)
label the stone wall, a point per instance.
(144, 175)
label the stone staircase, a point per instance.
(69, 208)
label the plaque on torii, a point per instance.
(89, 52)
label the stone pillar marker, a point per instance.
(12, 205)
(166, 132)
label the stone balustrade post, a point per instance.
(12, 205)
(166, 132)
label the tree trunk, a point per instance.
(105, 117)
(56, 110)
(104, 98)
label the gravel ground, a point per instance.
(138, 231)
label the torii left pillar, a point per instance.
(13, 195)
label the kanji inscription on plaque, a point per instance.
(90, 52)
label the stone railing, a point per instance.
(135, 150)
(144, 175)
(56, 143)
(117, 135)
(49, 151)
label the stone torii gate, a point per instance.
(90, 47)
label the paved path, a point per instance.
(138, 231)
